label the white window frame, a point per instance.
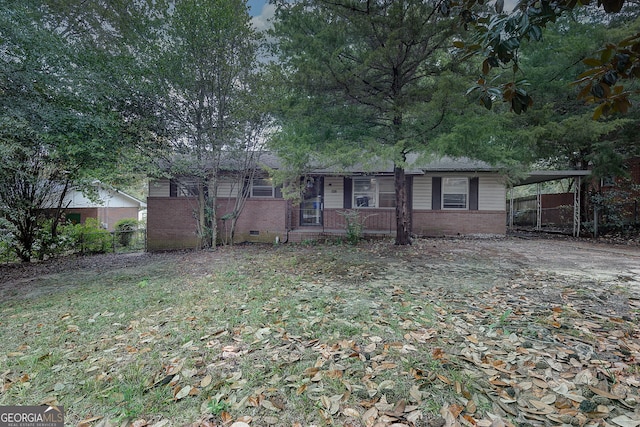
(262, 188)
(370, 188)
(451, 186)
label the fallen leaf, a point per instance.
(625, 421)
(205, 381)
(350, 412)
(183, 392)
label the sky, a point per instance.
(261, 11)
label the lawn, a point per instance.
(445, 332)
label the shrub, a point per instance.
(354, 225)
(90, 237)
(125, 229)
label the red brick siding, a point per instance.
(447, 223)
(171, 223)
(267, 217)
(110, 216)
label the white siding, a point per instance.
(421, 192)
(106, 198)
(491, 193)
(159, 188)
(491, 190)
(227, 189)
(333, 192)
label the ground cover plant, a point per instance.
(454, 332)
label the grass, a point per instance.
(273, 336)
(100, 346)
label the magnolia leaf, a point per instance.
(205, 381)
(350, 412)
(183, 392)
(625, 421)
(267, 404)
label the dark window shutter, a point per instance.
(348, 192)
(278, 192)
(436, 193)
(173, 188)
(474, 183)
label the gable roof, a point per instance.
(416, 165)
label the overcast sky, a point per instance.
(261, 11)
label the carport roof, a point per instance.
(535, 177)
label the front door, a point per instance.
(311, 206)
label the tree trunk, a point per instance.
(202, 220)
(213, 212)
(402, 209)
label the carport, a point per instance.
(538, 177)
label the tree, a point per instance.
(205, 73)
(366, 78)
(62, 117)
(498, 37)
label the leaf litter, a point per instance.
(461, 332)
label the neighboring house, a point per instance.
(446, 197)
(108, 206)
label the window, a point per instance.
(184, 187)
(374, 192)
(262, 187)
(455, 192)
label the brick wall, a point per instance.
(171, 223)
(110, 216)
(261, 220)
(448, 223)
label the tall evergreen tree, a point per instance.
(366, 78)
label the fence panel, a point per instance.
(129, 241)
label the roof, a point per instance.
(535, 177)
(416, 165)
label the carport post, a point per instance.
(510, 208)
(576, 206)
(539, 207)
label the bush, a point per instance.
(125, 229)
(49, 246)
(354, 225)
(90, 237)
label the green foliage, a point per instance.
(364, 82)
(68, 112)
(204, 71)
(216, 407)
(354, 225)
(501, 36)
(616, 208)
(90, 237)
(124, 229)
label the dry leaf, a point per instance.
(625, 421)
(350, 412)
(183, 392)
(206, 381)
